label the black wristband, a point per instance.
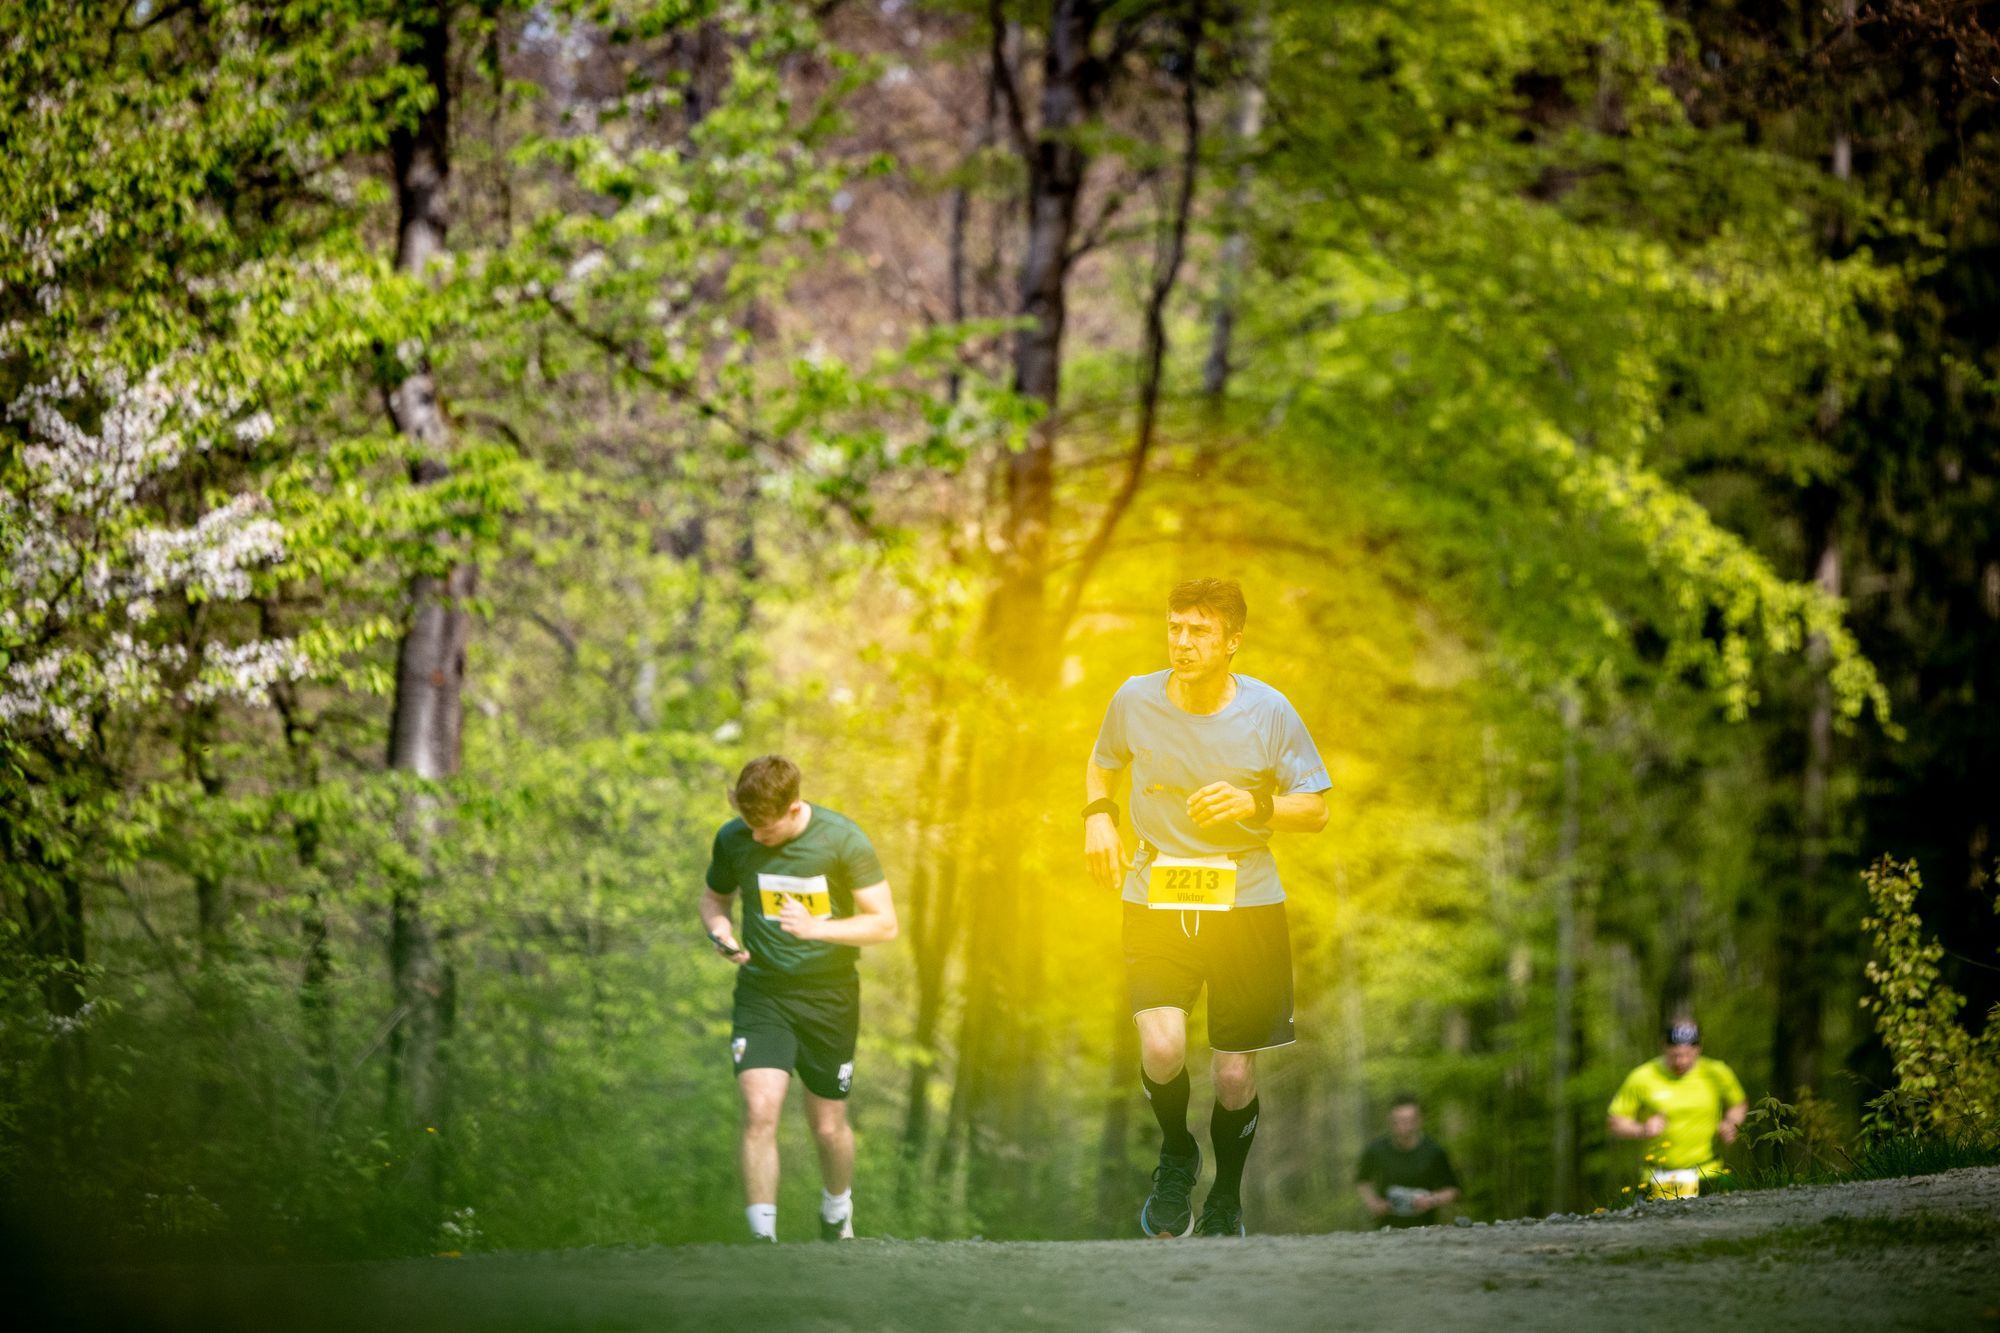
(1265, 803)
(1103, 805)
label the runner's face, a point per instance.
(1406, 1123)
(782, 829)
(1681, 1058)
(1198, 645)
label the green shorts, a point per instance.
(807, 1028)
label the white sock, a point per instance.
(763, 1220)
(836, 1207)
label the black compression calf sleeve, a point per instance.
(1232, 1133)
(1170, 1103)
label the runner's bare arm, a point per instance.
(873, 922)
(721, 931)
(1732, 1122)
(1625, 1127)
(1220, 803)
(1299, 812)
(1376, 1205)
(1103, 850)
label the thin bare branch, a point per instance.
(681, 391)
(564, 639)
(1003, 79)
(1094, 234)
(1169, 251)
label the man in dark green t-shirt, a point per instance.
(1405, 1179)
(812, 893)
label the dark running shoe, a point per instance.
(1168, 1212)
(841, 1230)
(1220, 1217)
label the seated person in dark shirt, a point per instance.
(1404, 1177)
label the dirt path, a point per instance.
(1917, 1254)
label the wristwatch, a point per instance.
(1104, 805)
(1262, 816)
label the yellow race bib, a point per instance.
(810, 890)
(1684, 1184)
(1191, 883)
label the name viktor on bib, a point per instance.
(1191, 883)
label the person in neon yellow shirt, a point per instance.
(1682, 1103)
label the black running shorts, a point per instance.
(810, 1029)
(1243, 956)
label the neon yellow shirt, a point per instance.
(1693, 1105)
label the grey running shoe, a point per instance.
(841, 1230)
(1220, 1217)
(1168, 1213)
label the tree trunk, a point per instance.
(1797, 1043)
(1170, 247)
(1004, 977)
(430, 663)
(211, 908)
(933, 913)
(1351, 1099)
(210, 893)
(1509, 1180)
(1677, 996)
(315, 999)
(1057, 164)
(961, 219)
(1562, 1142)
(53, 904)
(1244, 126)
(1114, 1182)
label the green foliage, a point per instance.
(1515, 338)
(1516, 310)
(622, 440)
(1947, 1078)
(1898, 1156)
(1792, 1130)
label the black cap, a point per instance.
(1684, 1032)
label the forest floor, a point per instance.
(1917, 1254)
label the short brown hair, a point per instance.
(765, 789)
(1221, 598)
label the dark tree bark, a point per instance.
(996, 1103)
(1798, 1031)
(958, 272)
(316, 976)
(1169, 250)
(210, 898)
(430, 663)
(1245, 125)
(1003, 980)
(1073, 87)
(1798, 1035)
(933, 913)
(211, 901)
(53, 906)
(1562, 1057)
(1114, 1178)
(52, 935)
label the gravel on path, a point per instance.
(1922, 1253)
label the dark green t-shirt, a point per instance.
(823, 867)
(1397, 1173)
